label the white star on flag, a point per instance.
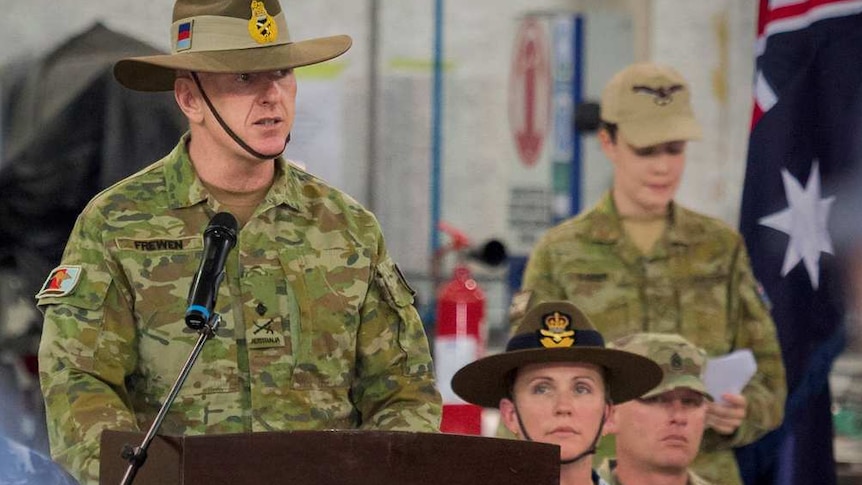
(804, 220)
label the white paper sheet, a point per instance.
(729, 373)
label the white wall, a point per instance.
(711, 43)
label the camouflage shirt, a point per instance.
(318, 328)
(696, 282)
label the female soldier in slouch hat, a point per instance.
(557, 383)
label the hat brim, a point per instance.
(157, 73)
(627, 375)
(649, 132)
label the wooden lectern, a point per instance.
(342, 457)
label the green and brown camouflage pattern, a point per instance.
(696, 282)
(318, 331)
(682, 363)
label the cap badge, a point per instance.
(261, 25)
(662, 95)
(676, 362)
(557, 332)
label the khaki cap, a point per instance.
(681, 362)
(227, 36)
(650, 104)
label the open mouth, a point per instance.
(268, 122)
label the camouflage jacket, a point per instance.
(318, 330)
(696, 281)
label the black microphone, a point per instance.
(219, 239)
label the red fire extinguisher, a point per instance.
(459, 341)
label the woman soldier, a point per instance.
(557, 383)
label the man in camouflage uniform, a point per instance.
(658, 435)
(639, 262)
(318, 329)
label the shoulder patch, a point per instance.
(61, 281)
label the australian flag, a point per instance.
(804, 146)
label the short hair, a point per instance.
(510, 383)
(610, 128)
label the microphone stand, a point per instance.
(136, 456)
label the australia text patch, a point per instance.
(265, 333)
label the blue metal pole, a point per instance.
(429, 315)
(436, 124)
(577, 97)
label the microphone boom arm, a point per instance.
(219, 239)
(136, 456)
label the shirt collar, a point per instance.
(185, 189)
(606, 224)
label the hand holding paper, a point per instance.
(729, 373)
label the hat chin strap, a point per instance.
(591, 450)
(230, 132)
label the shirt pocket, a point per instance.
(330, 291)
(609, 298)
(703, 304)
(159, 274)
(399, 296)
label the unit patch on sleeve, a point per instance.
(61, 281)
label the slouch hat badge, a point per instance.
(261, 25)
(558, 333)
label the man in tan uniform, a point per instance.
(658, 435)
(639, 262)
